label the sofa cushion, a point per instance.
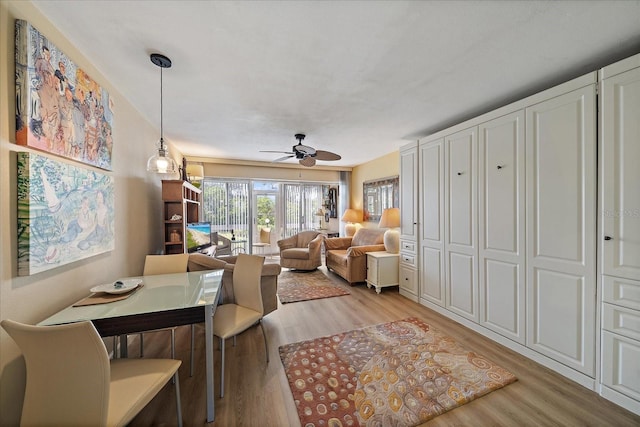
(305, 237)
(368, 236)
(295, 253)
(337, 257)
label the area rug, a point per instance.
(401, 373)
(302, 286)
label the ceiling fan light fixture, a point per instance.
(161, 162)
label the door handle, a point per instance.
(608, 238)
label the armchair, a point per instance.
(302, 251)
(347, 256)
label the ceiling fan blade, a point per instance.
(282, 158)
(326, 155)
(272, 151)
(308, 162)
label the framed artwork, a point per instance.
(59, 108)
(379, 195)
(65, 213)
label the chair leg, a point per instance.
(264, 335)
(222, 368)
(141, 345)
(173, 343)
(193, 338)
(173, 347)
(176, 381)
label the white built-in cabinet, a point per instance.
(620, 231)
(501, 220)
(460, 236)
(432, 268)
(408, 267)
(561, 228)
(529, 228)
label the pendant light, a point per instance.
(161, 162)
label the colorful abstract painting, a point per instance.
(65, 213)
(59, 108)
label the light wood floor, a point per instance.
(257, 393)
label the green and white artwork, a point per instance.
(65, 213)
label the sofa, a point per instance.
(347, 256)
(269, 282)
(302, 251)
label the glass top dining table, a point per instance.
(164, 300)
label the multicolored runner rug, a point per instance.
(401, 373)
(302, 286)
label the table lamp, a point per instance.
(320, 214)
(391, 219)
(351, 217)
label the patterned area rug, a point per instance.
(401, 373)
(296, 286)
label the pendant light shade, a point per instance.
(161, 162)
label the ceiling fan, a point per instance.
(306, 155)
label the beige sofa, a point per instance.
(270, 272)
(302, 251)
(347, 256)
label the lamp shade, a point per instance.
(352, 215)
(195, 172)
(390, 218)
(161, 162)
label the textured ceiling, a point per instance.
(359, 78)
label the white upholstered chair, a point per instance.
(231, 319)
(264, 241)
(72, 382)
(166, 264)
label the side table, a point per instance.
(382, 270)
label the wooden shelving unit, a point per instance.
(182, 199)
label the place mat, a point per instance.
(104, 298)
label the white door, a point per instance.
(621, 175)
(408, 193)
(431, 159)
(501, 233)
(461, 248)
(561, 228)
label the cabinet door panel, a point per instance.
(432, 187)
(408, 193)
(502, 298)
(461, 188)
(561, 229)
(432, 281)
(621, 174)
(621, 360)
(461, 285)
(501, 198)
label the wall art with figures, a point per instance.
(60, 109)
(65, 213)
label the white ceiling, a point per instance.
(359, 78)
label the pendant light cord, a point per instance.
(161, 114)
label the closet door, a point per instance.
(432, 280)
(501, 208)
(408, 193)
(461, 248)
(621, 175)
(561, 228)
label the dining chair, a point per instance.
(265, 240)
(231, 319)
(70, 380)
(167, 264)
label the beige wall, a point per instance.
(382, 167)
(137, 202)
